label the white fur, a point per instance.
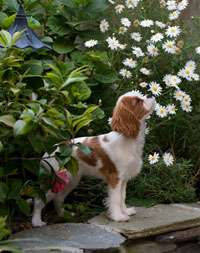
(126, 155)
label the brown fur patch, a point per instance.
(127, 115)
(108, 168)
(105, 139)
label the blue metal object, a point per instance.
(29, 39)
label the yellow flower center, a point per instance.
(153, 49)
(153, 158)
(118, 7)
(161, 111)
(172, 30)
(155, 89)
(169, 45)
(187, 72)
(104, 25)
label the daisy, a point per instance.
(178, 95)
(122, 46)
(136, 36)
(168, 159)
(143, 84)
(104, 26)
(161, 111)
(174, 15)
(186, 107)
(191, 65)
(147, 130)
(146, 23)
(126, 22)
(122, 30)
(109, 121)
(160, 24)
(112, 2)
(155, 88)
(131, 4)
(152, 50)
(175, 80)
(91, 43)
(171, 5)
(119, 8)
(195, 77)
(169, 46)
(173, 31)
(112, 43)
(153, 158)
(157, 37)
(130, 63)
(137, 51)
(171, 109)
(187, 99)
(145, 71)
(182, 5)
(167, 79)
(197, 50)
(187, 73)
(125, 73)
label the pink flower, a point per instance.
(59, 185)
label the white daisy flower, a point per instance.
(175, 81)
(171, 5)
(169, 46)
(178, 95)
(112, 43)
(167, 80)
(143, 84)
(130, 63)
(186, 107)
(191, 65)
(146, 23)
(111, 1)
(145, 71)
(131, 4)
(126, 22)
(197, 50)
(115, 86)
(125, 73)
(155, 88)
(122, 30)
(119, 8)
(122, 46)
(171, 109)
(91, 43)
(195, 77)
(174, 15)
(182, 5)
(109, 121)
(173, 31)
(187, 99)
(147, 130)
(153, 158)
(137, 51)
(104, 26)
(152, 50)
(187, 73)
(160, 24)
(136, 36)
(161, 111)
(168, 159)
(157, 37)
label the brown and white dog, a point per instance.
(116, 157)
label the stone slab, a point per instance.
(50, 250)
(81, 236)
(152, 221)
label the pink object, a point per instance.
(58, 185)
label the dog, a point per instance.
(115, 158)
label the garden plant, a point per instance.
(47, 97)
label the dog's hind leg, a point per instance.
(59, 198)
(38, 206)
(125, 210)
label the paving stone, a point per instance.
(181, 235)
(152, 221)
(81, 236)
(50, 250)
(148, 247)
(188, 248)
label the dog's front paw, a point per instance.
(119, 217)
(130, 211)
(38, 223)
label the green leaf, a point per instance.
(85, 149)
(27, 113)
(82, 124)
(65, 150)
(54, 78)
(33, 23)
(7, 22)
(24, 206)
(58, 25)
(34, 67)
(96, 5)
(62, 160)
(72, 166)
(80, 91)
(6, 36)
(36, 107)
(53, 113)
(63, 46)
(1, 148)
(8, 120)
(11, 4)
(3, 191)
(49, 122)
(19, 126)
(46, 39)
(105, 73)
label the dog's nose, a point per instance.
(149, 96)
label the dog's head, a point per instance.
(131, 109)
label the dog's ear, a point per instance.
(124, 121)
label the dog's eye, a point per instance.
(137, 101)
